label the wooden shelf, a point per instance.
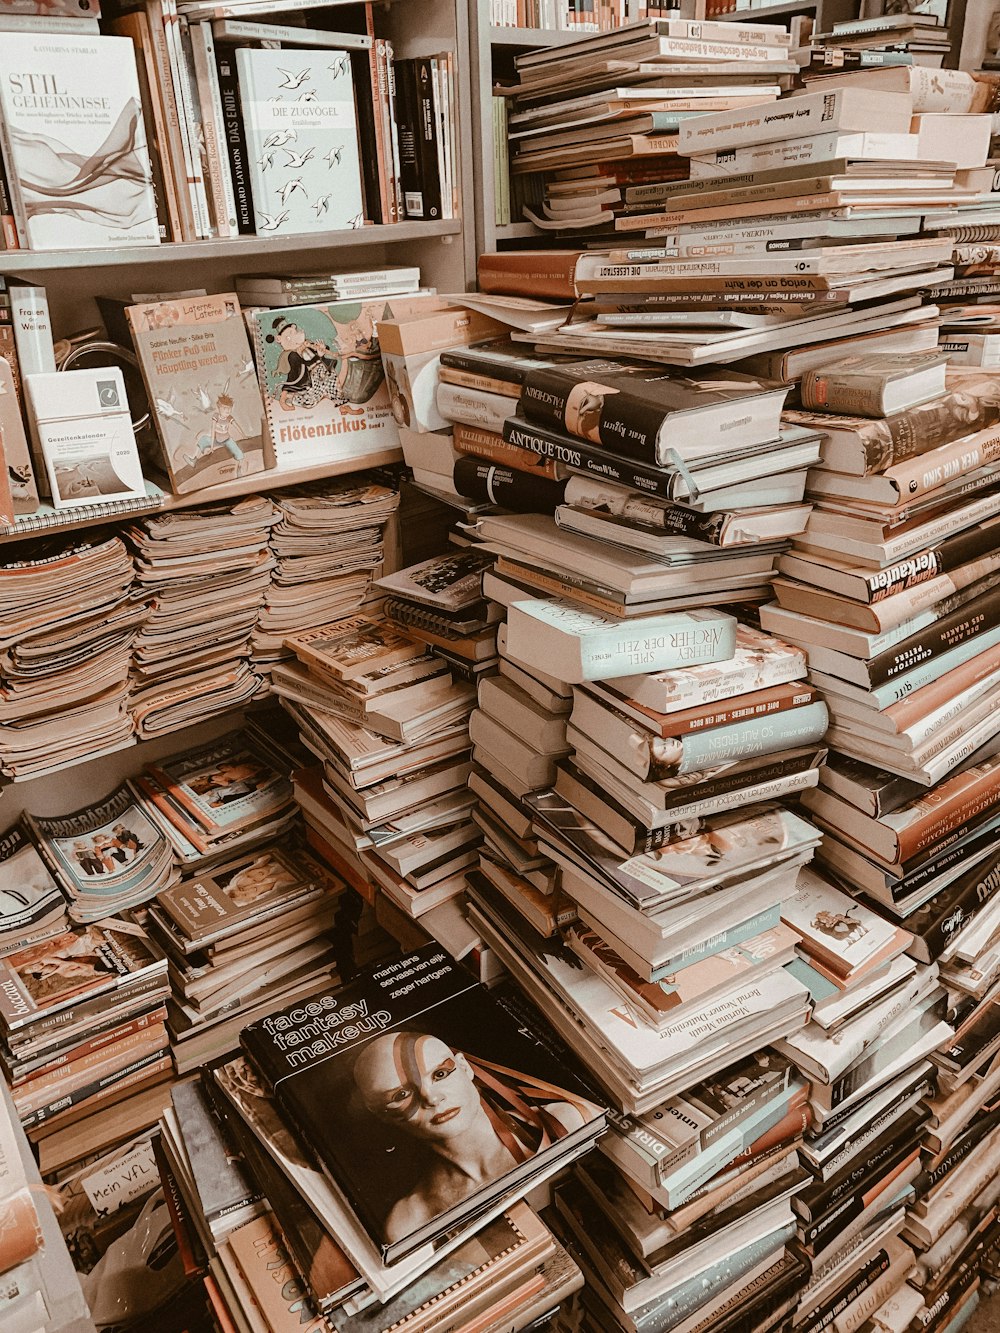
(257, 248)
(533, 38)
(68, 521)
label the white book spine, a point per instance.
(804, 153)
(186, 120)
(29, 308)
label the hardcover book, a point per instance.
(74, 142)
(302, 139)
(322, 379)
(198, 370)
(399, 1080)
(84, 431)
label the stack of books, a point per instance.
(82, 1025)
(598, 120)
(68, 621)
(262, 929)
(363, 1111)
(685, 1214)
(216, 799)
(206, 572)
(922, 36)
(327, 544)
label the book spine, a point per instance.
(936, 924)
(817, 1236)
(394, 132)
(856, 1285)
(870, 1066)
(723, 939)
(519, 491)
(932, 470)
(975, 618)
(856, 393)
(384, 129)
(374, 180)
(162, 91)
(235, 142)
(960, 549)
(8, 226)
(814, 115)
(409, 144)
(88, 1047)
(589, 459)
(100, 1088)
(96, 1005)
(549, 277)
(815, 1203)
(45, 1090)
(29, 308)
(427, 140)
(487, 444)
(183, 98)
(220, 183)
(13, 184)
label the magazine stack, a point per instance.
(205, 572)
(83, 1035)
(68, 624)
(327, 544)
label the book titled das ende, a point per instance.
(420, 1095)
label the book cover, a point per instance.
(83, 427)
(449, 582)
(237, 891)
(83, 961)
(402, 1080)
(74, 142)
(225, 785)
(357, 646)
(29, 895)
(302, 139)
(199, 374)
(322, 379)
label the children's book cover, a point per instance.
(322, 379)
(199, 375)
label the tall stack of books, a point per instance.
(598, 120)
(921, 36)
(327, 544)
(69, 621)
(206, 572)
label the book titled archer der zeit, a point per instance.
(402, 1080)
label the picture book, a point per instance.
(302, 139)
(322, 379)
(199, 375)
(74, 142)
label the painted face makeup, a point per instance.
(420, 1084)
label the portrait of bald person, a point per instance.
(475, 1120)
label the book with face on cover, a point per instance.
(302, 139)
(402, 1080)
(74, 142)
(199, 374)
(30, 899)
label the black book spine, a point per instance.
(856, 1284)
(931, 1176)
(936, 922)
(427, 139)
(960, 549)
(235, 141)
(364, 106)
(462, 358)
(589, 459)
(550, 396)
(407, 129)
(818, 1200)
(520, 491)
(91, 1089)
(940, 1314)
(971, 621)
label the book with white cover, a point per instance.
(302, 139)
(843, 110)
(74, 142)
(84, 432)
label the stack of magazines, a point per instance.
(216, 799)
(33, 907)
(205, 571)
(67, 624)
(82, 1025)
(327, 545)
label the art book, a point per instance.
(199, 375)
(401, 1081)
(302, 139)
(74, 142)
(322, 379)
